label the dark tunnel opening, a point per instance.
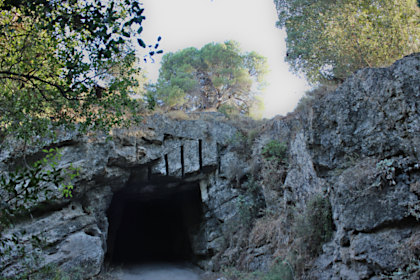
(155, 224)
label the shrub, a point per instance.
(242, 142)
(250, 203)
(273, 174)
(50, 271)
(315, 226)
(23, 191)
(275, 150)
(312, 95)
(228, 110)
(280, 271)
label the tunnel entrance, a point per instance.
(154, 222)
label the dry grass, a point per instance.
(311, 96)
(178, 115)
(273, 231)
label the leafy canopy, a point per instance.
(61, 62)
(216, 75)
(328, 40)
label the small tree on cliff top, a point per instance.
(213, 76)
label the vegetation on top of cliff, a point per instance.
(217, 76)
(67, 62)
(328, 40)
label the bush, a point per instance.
(228, 110)
(23, 192)
(250, 203)
(50, 271)
(242, 142)
(315, 227)
(275, 150)
(280, 271)
(314, 94)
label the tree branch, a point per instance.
(11, 75)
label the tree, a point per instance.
(58, 61)
(216, 75)
(328, 40)
(62, 63)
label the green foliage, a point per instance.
(150, 100)
(67, 62)
(235, 274)
(23, 189)
(315, 226)
(275, 150)
(250, 203)
(218, 76)
(279, 271)
(246, 210)
(329, 40)
(50, 271)
(228, 110)
(62, 64)
(242, 142)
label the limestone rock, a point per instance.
(374, 112)
(75, 234)
(358, 146)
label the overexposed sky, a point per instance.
(194, 23)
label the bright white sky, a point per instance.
(194, 23)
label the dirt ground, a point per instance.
(158, 271)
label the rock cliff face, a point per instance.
(364, 141)
(358, 147)
(159, 160)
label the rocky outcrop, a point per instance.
(358, 147)
(364, 138)
(75, 233)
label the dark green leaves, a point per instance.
(153, 49)
(53, 54)
(215, 75)
(329, 40)
(141, 43)
(23, 189)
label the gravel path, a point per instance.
(159, 271)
